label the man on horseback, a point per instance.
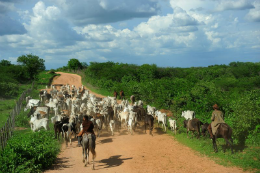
(88, 128)
(216, 118)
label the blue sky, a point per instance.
(168, 33)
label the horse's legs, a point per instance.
(215, 144)
(83, 151)
(231, 146)
(93, 157)
(88, 155)
(187, 133)
(229, 143)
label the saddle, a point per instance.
(89, 136)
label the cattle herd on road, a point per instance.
(68, 104)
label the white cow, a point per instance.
(173, 125)
(151, 110)
(130, 125)
(161, 118)
(44, 111)
(123, 116)
(112, 125)
(36, 124)
(188, 114)
(56, 118)
(31, 103)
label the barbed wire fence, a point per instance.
(6, 131)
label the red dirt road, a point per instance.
(140, 152)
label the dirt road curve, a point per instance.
(140, 152)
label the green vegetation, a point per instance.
(74, 65)
(7, 104)
(27, 151)
(32, 63)
(234, 87)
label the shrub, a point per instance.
(29, 152)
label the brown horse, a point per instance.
(115, 94)
(223, 131)
(122, 94)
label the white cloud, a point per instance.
(83, 12)
(49, 27)
(254, 14)
(233, 5)
(61, 30)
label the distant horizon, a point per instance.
(169, 66)
(168, 33)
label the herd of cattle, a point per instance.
(70, 104)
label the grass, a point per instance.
(246, 157)
(6, 105)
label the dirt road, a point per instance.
(140, 152)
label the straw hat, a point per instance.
(215, 106)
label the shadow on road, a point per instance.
(103, 141)
(112, 161)
(61, 163)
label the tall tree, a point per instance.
(33, 64)
(5, 63)
(74, 64)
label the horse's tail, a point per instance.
(92, 147)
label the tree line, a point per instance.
(25, 71)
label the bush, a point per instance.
(8, 89)
(29, 152)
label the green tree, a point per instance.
(74, 64)
(84, 65)
(33, 64)
(5, 63)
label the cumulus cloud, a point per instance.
(233, 5)
(48, 25)
(82, 12)
(254, 14)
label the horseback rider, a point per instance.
(216, 118)
(115, 94)
(88, 128)
(122, 94)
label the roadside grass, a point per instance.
(97, 90)
(6, 105)
(246, 157)
(28, 151)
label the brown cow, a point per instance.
(193, 125)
